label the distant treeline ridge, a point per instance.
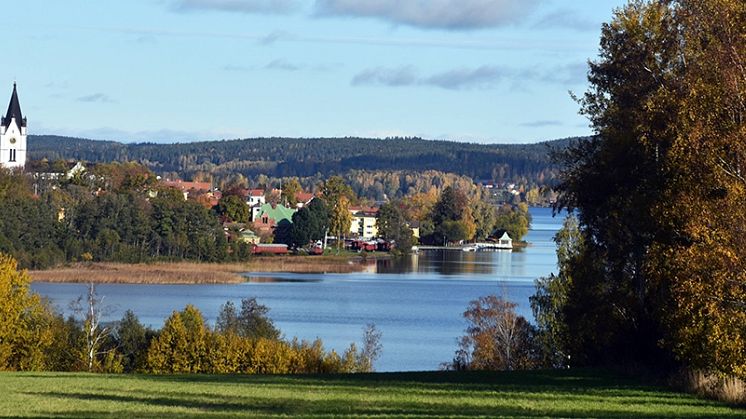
(304, 157)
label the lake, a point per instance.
(417, 302)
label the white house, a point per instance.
(13, 135)
(255, 197)
(504, 241)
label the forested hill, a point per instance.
(277, 157)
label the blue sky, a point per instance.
(493, 71)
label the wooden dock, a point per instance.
(470, 247)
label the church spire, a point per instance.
(14, 110)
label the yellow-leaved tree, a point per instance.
(25, 330)
(704, 203)
(181, 346)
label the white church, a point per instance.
(13, 135)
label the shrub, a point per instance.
(496, 338)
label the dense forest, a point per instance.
(308, 157)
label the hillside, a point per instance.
(304, 157)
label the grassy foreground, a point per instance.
(575, 393)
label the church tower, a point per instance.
(13, 135)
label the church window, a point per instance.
(12, 155)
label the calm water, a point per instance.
(417, 303)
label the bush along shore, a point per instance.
(243, 340)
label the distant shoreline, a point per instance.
(196, 273)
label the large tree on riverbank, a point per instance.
(660, 190)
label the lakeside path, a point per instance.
(196, 273)
(519, 394)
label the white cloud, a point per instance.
(282, 65)
(401, 76)
(568, 19)
(482, 77)
(237, 68)
(96, 97)
(433, 14)
(240, 6)
(542, 123)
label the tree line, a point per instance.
(309, 157)
(117, 213)
(120, 212)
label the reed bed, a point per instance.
(191, 272)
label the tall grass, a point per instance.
(729, 389)
(192, 272)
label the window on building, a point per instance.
(12, 155)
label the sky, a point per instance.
(487, 71)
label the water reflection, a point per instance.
(265, 277)
(448, 262)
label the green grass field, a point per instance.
(572, 393)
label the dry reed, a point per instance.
(729, 389)
(191, 272)
(733, 390)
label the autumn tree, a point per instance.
(25, 330)
(338, 196)
(452, 217)
(13, 183)
(371, 348)
(497, 338)
(181, 346)
(290, 190)
(485, 217)
(660, 189)
(232, 208)
(392, 225)
(419, 206)
(514, 219)
(702, 263)
(127, 176)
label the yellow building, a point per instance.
(364, 222)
